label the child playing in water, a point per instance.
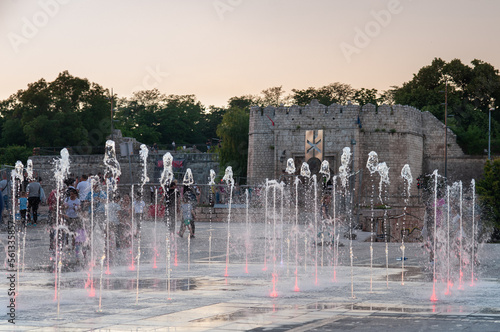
(23, 206)
(187, 215)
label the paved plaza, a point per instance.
(261, 292)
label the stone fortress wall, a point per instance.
(399, 134)
(132, 170)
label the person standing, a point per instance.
(172, 206)
(187, 216)
(72, 208)
(34, 190)
(83, 189)
(23, 206)
(4, 191)
(1, 211)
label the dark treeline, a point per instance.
(72, 111)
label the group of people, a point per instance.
(27, 200)
(84, 203)
(181, 205)
(118, 216)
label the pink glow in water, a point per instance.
(55, 288)
(131, 267)
(274, 293)
(461, 282)
(154, 258)
(89, 286)
(226, 274)
(246, 266)
(296, 289)
(449, 286)
(107, 269)
(434, 297)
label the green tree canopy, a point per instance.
(233, 131)
(338, 93)
(153, 117)
(489, 191)
(55, 114)
(470, 91)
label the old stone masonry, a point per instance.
(399, 134)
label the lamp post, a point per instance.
(446, 131)
(489, 131)
(352, 180)
(112, 129)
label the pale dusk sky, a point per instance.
(217, 49)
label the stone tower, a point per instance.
(398, 134)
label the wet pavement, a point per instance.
(273, 287)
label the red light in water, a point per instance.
(296, 289)
(154, 258)
(434, 297)
(461, 283)
(89, 286)
(92, 290)
(448, 288)
(274, 293)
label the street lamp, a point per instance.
(492, 108)
(353, 177)
(446, 78)
(446, 130)
(111, 97)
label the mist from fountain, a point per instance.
(406, 175)
(450, 248)
(143, 153)
(228, 179)
(372, 164)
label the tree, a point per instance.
(274, 96)
(9, 155)
(470, 91)
(338, 93)
(180, 118)
(209, 121)
(12, 132)
(58, 113)
(243, 102)
(233, 132)
(366, 96)
(150, 116)
(139, 116)
(489, 193)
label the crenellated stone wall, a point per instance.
(399, 134)
(131, 169)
